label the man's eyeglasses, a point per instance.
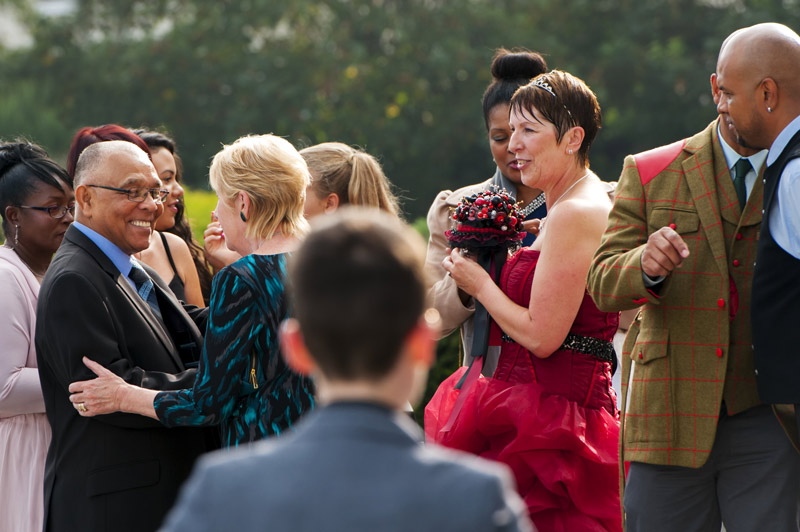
(56, 212)
(139, 194)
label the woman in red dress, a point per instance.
(548, 411)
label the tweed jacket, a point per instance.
(689, 347)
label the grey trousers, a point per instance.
(751, 482)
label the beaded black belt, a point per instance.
(587, 345)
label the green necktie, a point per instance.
(741, 168)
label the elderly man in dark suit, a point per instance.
(118, 472)
(356, 464)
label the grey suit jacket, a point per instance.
(348, 467)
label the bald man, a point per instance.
(679, 247)
(118, 472)
(759, 76)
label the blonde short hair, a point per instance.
(272, 174)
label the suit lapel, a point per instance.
(727, 193)
(75, 236)
(701, 170)
(755, 201)
(147, 314)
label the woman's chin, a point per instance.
(165, 223)
(513, 175)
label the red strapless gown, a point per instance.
(553, 421)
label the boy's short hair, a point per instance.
(359, 289)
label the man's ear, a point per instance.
(714, 88)
(768, 92)
(331, 203)
(294, 348)
(85, 200)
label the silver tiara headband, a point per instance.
(542, 84)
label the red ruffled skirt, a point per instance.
(563, 456)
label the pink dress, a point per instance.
(553, 421)
(24, 430)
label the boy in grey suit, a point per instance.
(356, 464)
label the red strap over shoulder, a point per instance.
(652, 162)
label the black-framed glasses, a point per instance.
(139, 194)
(56, 211)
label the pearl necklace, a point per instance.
(550, 208)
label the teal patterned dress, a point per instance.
(243, 384)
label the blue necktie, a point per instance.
(741, 168)
(145, 287)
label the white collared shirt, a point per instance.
(731, 158)
(119, 258)
(784, 216)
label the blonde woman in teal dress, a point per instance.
(242, 382)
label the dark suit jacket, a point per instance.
(117, 472)
(348, 467)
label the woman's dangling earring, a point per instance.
(241, 215)
(16, 236)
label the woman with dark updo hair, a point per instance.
(510, 71)
(37, 205)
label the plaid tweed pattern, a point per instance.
(689, 346)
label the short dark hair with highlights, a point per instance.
(358, 288)
(569, 103)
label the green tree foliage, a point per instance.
(403, 78)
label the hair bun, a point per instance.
(517, 64)
(13, 153)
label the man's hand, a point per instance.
(665, 250)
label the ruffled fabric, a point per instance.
(563, 456)
(553, 421)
